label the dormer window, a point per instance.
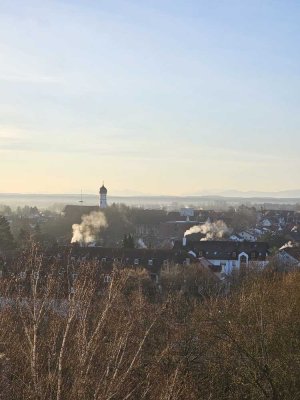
(150, 263)
(136, 261)
(22, 274)
(36, 275)
(103, 259)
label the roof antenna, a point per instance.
(80, 201)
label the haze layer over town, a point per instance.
(155, 97)
(149, 200)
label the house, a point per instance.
(248, 236)
(227, 254)
(236, 238)
(153, 260)
(147, 223)
(293, 234)
(75, 212)
(277, 218)
(266, 223)
(290, 256)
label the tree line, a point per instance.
(121, 340)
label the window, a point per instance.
(136, 261)
(103, 259)
(150, 263)
(23, 275)
(234, 254)
(107, 278)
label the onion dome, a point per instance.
(103, 190)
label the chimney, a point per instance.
(184, 241)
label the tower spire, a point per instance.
(103, 196)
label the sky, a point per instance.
(161, 97)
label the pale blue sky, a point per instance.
(160, 97)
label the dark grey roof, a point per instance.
(127, 257)
(225, 250)
(293, 252)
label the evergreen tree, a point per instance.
(5, 210)
(23, 237)
(6, 237)
(125, 241)
(128, 242)
(37, 234)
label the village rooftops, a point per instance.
(225, 250)
(74, 209)
(152, 259)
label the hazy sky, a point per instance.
(159, 97)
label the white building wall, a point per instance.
(103, 201)
(229, 265)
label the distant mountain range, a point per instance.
(251, 193)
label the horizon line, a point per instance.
(195, 196)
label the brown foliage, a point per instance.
(76, 339)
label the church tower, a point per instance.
(103, 197)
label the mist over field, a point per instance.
(58, 201)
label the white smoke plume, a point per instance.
(91, 224)
(141, 244)
(288, 244)
(212, 230)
